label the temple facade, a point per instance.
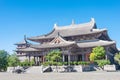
(75, 41)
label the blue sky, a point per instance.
(37, 17)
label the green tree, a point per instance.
(117, 58)
(13, 60)
(98, 56)
(92, 57)
(54, 56)
(3, 60)
(99, 52)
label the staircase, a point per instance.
(34, 69)
(97, 68)
(38, 69)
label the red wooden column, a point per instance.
(87, 57)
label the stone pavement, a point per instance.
(61, 76)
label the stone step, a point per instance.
(34, 69)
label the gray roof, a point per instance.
(22, 42)
(51, 45)
(63, 43)
(27, 49)
(81, 44)
(56, 42)
(71, 30)
(94, 43)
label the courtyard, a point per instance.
(62, 76)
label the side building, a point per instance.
(75, 42)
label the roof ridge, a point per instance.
(91, 23)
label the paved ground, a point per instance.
(61, 76)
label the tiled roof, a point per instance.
(80, 44)
(56, 42)
(94, 43)
(71, 30)
(51, 45)
(27, 49)
(22, 42)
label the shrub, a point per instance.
(71, 63)
(84, 63)
(59, 63)
(46, 64)
(75, 63)
(54, 63)
(101, 63)
(117, 58)
(65, 63)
